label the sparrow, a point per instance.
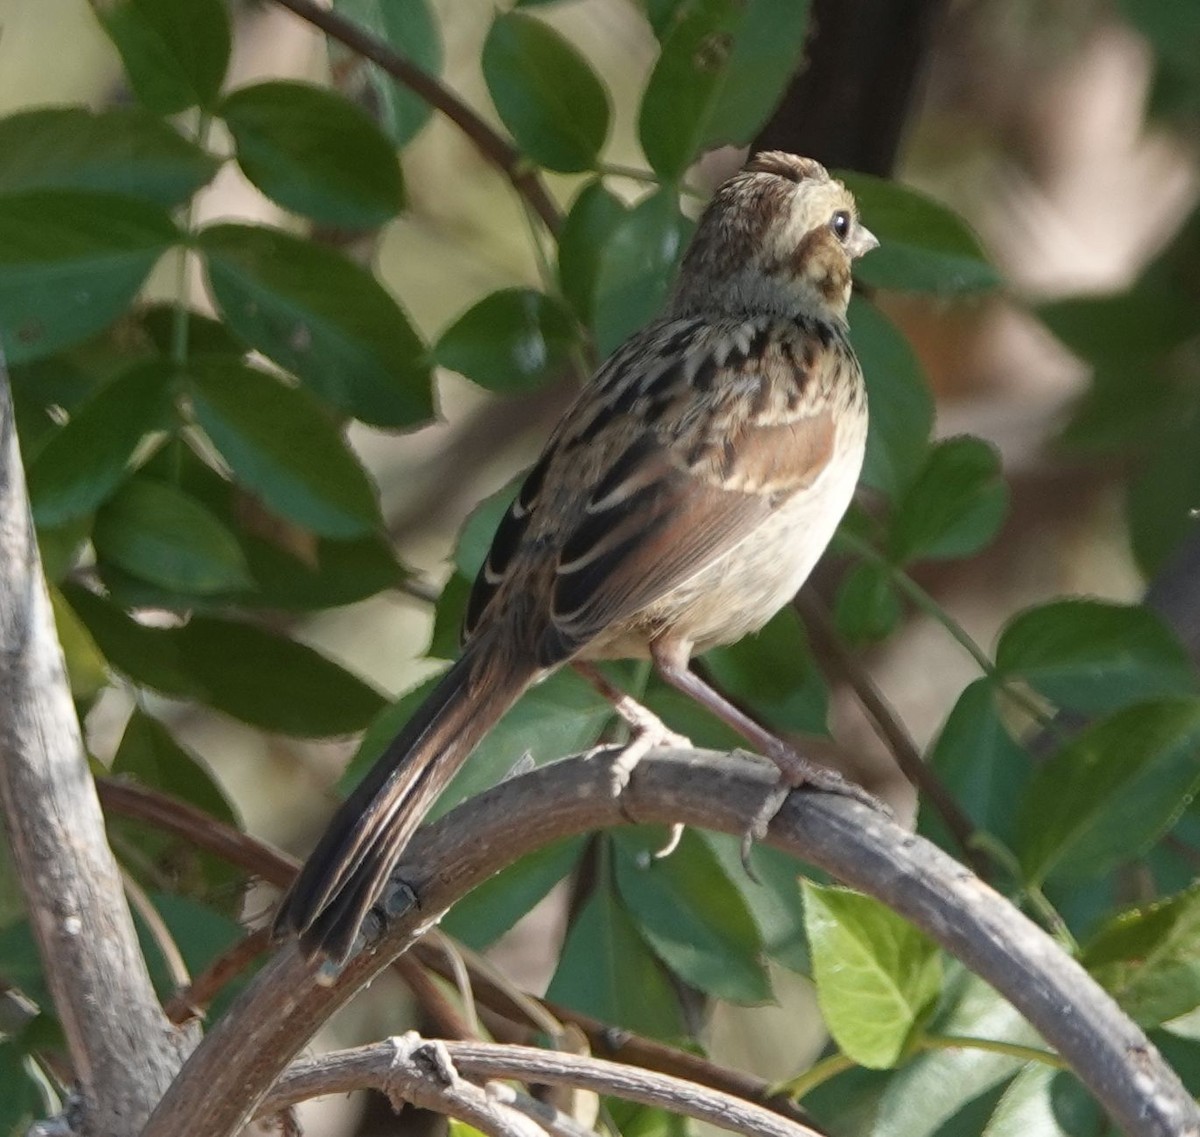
(681, 501)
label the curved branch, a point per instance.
(226, 1079)
(478, 1061)
(493, 146)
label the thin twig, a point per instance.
(190, 1001)
(372, 1065)
(889, 727)
(493, 146)
(157, 927)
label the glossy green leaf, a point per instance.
(1094, 656)
(954, 507)
(84, 462)
(877, 976)
(175, 51)
(1148, 958)
(980, 763)
(271, 682)
(773, 672)
(512, 340)
(321, 317)
(545, 93)
(637, 265)
(606, 970)
(691, 914)
(923, 246)
(123, 150)
(314, 153)
(594, 214)
(282, 446)
(159, 533)
(488, 911)
(867, 608)
(559, 716)
(70, 263)
(900, 400)
(723, 68)
(1111, 791)
(149, 754)
(412, 29)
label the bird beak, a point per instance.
(863, 241)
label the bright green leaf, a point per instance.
(412, 29)
(545, 93)
(163, 535)
(488, 911)
(584, 235)
(321, 317)
(723, 68)
(85, 461)
(691, 914)
(954, 507)
(124, 150)
(876, 975)
(510, 341)
(70, 263)
(636, 267)
(282, 445)
(1094, 656)
(175, 51)
(314, 153)
(1111, 791)
(900, 400)
(923, 246)
(606, 970)
(1148, 958)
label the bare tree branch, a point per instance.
(225, 1081)
(123, 1049)
(478, 1061)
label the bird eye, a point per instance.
(840, 224)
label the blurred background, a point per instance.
(1066, 132)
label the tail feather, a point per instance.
(349, 868)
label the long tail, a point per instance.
(348, 869)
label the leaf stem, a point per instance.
(992, 1046)
(816, 1075)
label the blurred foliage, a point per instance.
(199, 469)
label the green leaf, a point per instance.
(124, 150)
(323, 318)
(923, 246)
(512, 340)
(149, 754)
(175, 51)
(722, 70)
(412, 29)
(594, 214)
(475, 537)
(314, 153)
(272, 682)
(636, 266)
(1125, 329)
(954, 507)
(1094, 656)
(282, 445)
(1044, 1102)
(490, 910)
(606, 970)
(23, 1101)
(1163, 496)
(85, 461)
(205, 336)
(1148, 958)
(900, 400)
(691, 914)
(980, 763)
(773, 672)
(545, 93)
(70, 263)
(561, 715)
(867, 608)
(1110, 792)
(877, 976)
(159, 533)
